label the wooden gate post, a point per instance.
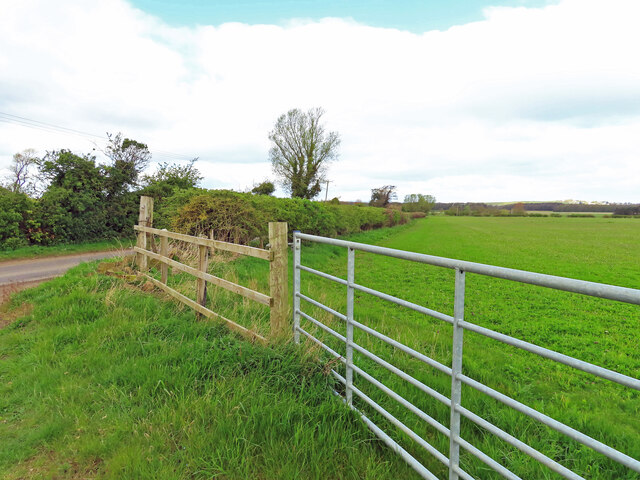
(279, 279)
(145, 219)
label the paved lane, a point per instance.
(34, 269)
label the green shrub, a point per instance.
(16, 212)
(501, 213)
(241, 218)
(231, 219)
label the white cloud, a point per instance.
(526, 104)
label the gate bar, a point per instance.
(612, 292)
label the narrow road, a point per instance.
(38, 269)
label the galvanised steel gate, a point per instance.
(458, 378)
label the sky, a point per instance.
(467, 100)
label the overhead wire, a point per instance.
(28, 122)
(53, 128)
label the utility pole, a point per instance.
(326, 194)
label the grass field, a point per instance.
(594, 330)
(65, 249)
(102, 378)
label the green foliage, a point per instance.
(479, 210)
(128, 159)
(417, 202)
(418, 214)
(264, 188)
(16, 211)
(518, 210)
(382, 196)
(71, 216)
(169, 178)
(627, 210)
(198, 211)
(301, 151)
(82, 200)
(74, 207)
(166, 209)
(232, 218)
(64, 169)
(21, 177)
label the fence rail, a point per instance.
(206, 242)
(276, 256)
(455, 371)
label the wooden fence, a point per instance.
(277, 300)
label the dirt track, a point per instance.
(18, 274)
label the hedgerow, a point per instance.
(244, 218)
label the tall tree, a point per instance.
(382, 196)
(518, 210)
(64, 169)
(21, 177)
(74, 206)
(170, 177)
(301, 151)
(417, 202)
(128, 159)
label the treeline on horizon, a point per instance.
(622, 209)
(73, 198)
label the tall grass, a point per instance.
(102, 380)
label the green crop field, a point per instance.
(104, 380)
(602, 332)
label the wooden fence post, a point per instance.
(145, 219)
(279, 278)
(201, 285)
(164, 251)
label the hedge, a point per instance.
(244, 218)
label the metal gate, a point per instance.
(455, 371)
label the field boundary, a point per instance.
(277, 300)
(458, 379)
